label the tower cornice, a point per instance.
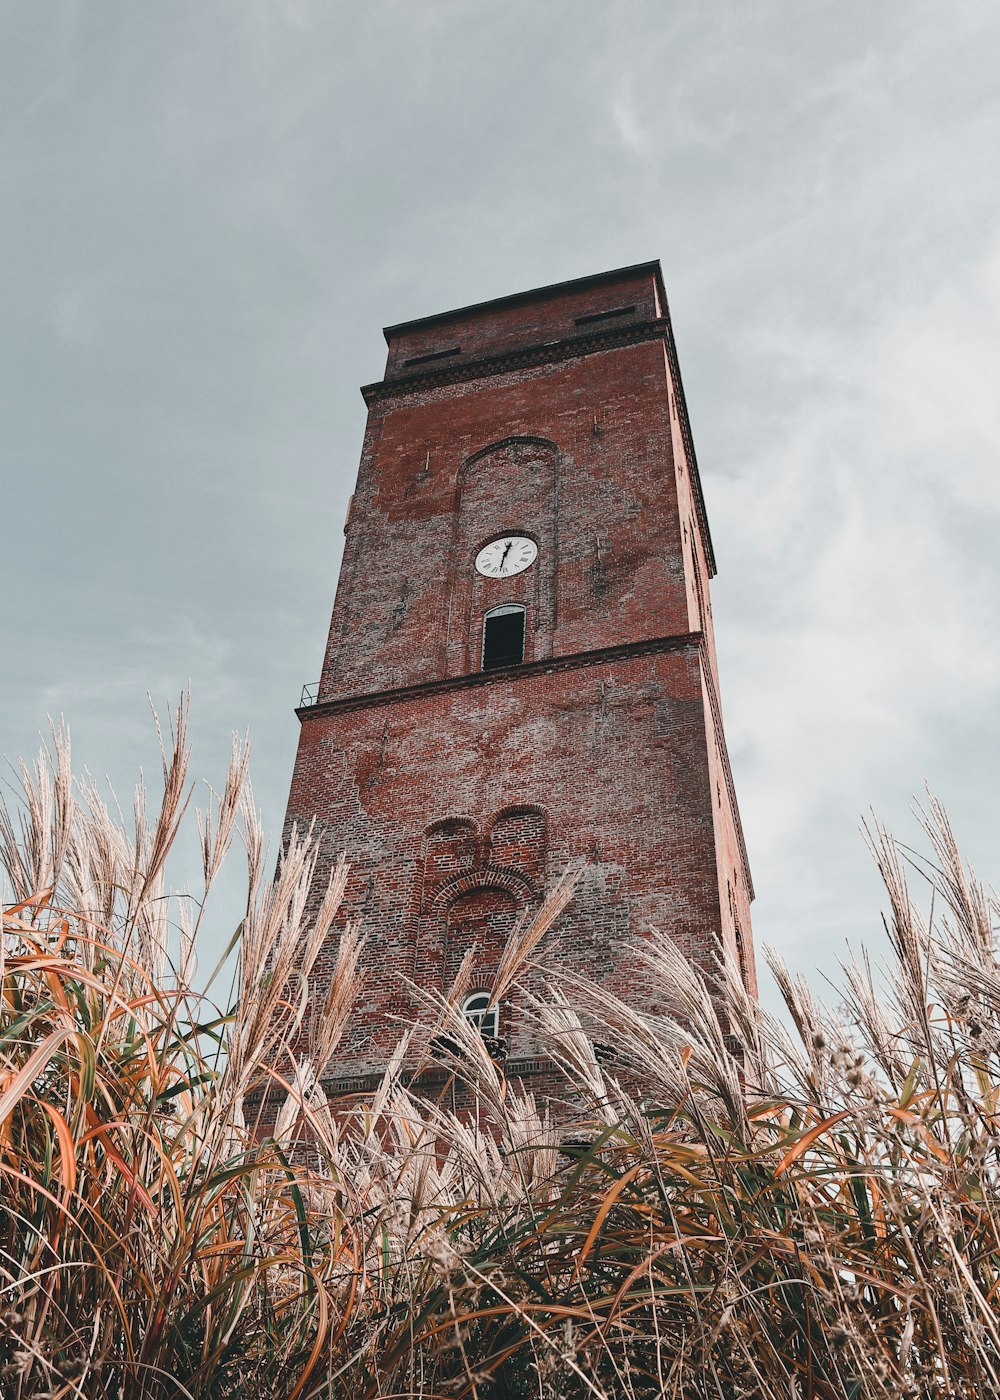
(548, 352)
(505, 675)
(574, 661)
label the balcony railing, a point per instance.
(310, 695)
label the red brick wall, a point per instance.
(459, 796)
(611, 754)
(601, 504)
(504, 327)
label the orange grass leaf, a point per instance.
(38, 900)
(18, 1083)
(99, 1131)
(807, 1139)
(602, 1214)
(319, 1340)
(67, 1151)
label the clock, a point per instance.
(506, 556)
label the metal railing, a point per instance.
(310, 695)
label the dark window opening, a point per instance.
(604, 315)
(477, 1010)
(503, 638)
(435, 355)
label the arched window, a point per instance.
(503, 637)
(477, 1010)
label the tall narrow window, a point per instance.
(503, 637)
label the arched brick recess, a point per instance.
(517, 440)
(431, 945)
(511, 882)
(511, 484)
(518, 839)
(449, 846)
(481, 917)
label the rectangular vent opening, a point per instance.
(604, 315)
(434, 355)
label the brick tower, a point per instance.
(521, 669)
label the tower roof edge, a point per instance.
(573, 284)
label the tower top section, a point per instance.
(626, 296)
(543, 327)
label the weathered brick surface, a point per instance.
(459, 795)
(528, 319)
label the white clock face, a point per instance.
(510, 554)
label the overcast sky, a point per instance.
(210, 208)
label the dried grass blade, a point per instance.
(604, 1210)
(19, 1083)
(67, 1151)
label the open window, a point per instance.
(503, 637)
(477, 1010)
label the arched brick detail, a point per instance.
(518, 439)
(517, 839)
(515, 809)
(449, 845)
(510, 484)
(484, 877)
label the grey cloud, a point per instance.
(210, 211)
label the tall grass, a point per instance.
(715, 1209)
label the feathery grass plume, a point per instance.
(563, 1034)
(147, 1247)
(33, 846)
(215, 838)
(814, 1216)
(529, 931)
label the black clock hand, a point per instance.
(506, 551)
